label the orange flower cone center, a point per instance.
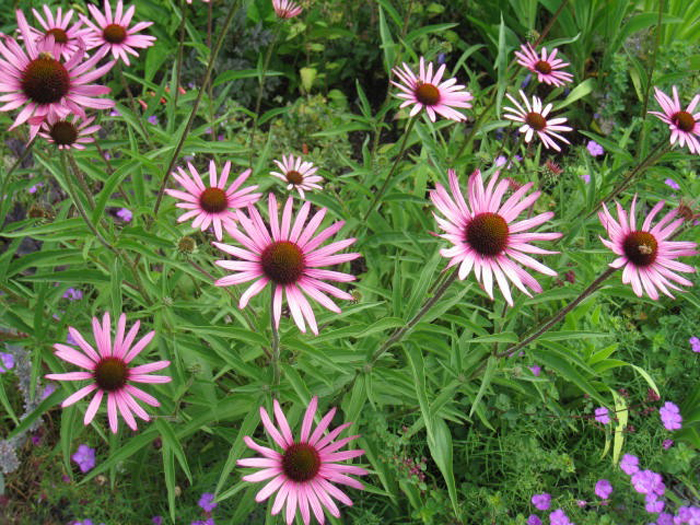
(487, 234)
(111, 374)
(535, 121)
(114, 34)
(684, 121)
(63, 133)
(640, 248)
(294, 177)
(282, 262)
(427, 94)
(301, 462)
(45, 80)
(213, 200)
(59, 35)
(543, 67)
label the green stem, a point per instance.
(275, 341)
(8, 175)
(652, 62)
(178, 64)
(81, 180)
(132, 102)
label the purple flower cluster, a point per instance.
(7, 361)
(559, 518)
(72, 294)
(671, 416)
(694, 344)
(672, 184)
(207, 502)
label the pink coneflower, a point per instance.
(426, 91)
(648, 257)
(67, 39)
(684, 125)
(289, 259)
(43, 83)
(546, 67)
(112, 32)
(535, 120)
(485, 236)
(286, 8)
(297, 174)
(304, 472)
(69, 132)
(213, 205)
(109, 371)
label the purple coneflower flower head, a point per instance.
(68, 132)
(646, 254)
(546, 66)
(671, 416)
(672, 184)
(602, 416)
(85, 458)
(72, 294)
(603, 489)
(109, 372)
(559, 518)
(694, 344)
(629, 464)
(534, 120)
(7, 362)
(212, 205)
(289, 257)
(207, 502)
(304, 472)
(684, 125)
(541, 501)
(125, 214)
(67, 39)
(486, 236)
(594, 148)
(297, 174)
(286, 8)
(426, 91)
(111, 32)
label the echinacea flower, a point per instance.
(289, 257)
(425, 91)
(112, 31)
(485, 235)
(546, 66)
(684, 125)
(286, 8)
(68, 132)
(213, 205)
(109, 371)
(67, 39)
(304, 472)
(297, 174)
(41, 81)
(671, 416)
(648, 257)
(534, 120)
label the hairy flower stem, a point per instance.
(275, 342)
(195, 106)
(81, 180)
(399, 156)
(652, 61)
(181, 41)
(8, 175)
(132, 102)
(261, 87)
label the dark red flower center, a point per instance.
(45, 80)
(111, 374)
(535, 121)
(301, 462)
(543, 67)
(59, 35)
(282, 262)
(63, 133)
(640, 248)
(427, 94)
(114, 34)
(213, 200)
(684, 121)
(294, 177)
(487, 234)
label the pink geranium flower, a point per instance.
(546, 67)
(534, 120)
(485, 236)
(425, 91)
(286, 8)
(684, 125)
(112, 31)
(648, 257)
(68, 39)
(213, 205)
(68, 132)
(304, 473)
(109, 372)
(289, 257)
(41, 82)
(297, 174)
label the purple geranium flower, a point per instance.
(85, 458)
(601, 415)
(594, 148)
(533, 519)
(207, 502)
(670, 416)
(73, 294)
(603, 489)
(125, 215)
(559, 518)
(7, 361)
(653, 504)
(694, 344)
(629, 464)
(672, 183)
(541, 501)
(648, 482)
(536, 370)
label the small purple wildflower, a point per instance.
(48, 390)
(221, 138)
(208, 521)
(664, 519)
(559, 518)
(601, 415)
(648, 482)
(157, 520)
(33, 189)
(603, 489)
(594, 148)
(672, 183)
(629, 464)
(125, 215)
(85, 458)
(114, 113)
(581, 503)
(526, 81)
(533, 519)
(653, 504)
(7, 361)
(668, 443)
(670, 416)
(153, 119)
(207, 502)
(536, 370)
(72, 294)
(541, 501)
(586, 178)
(688, 515)
(694, 344)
